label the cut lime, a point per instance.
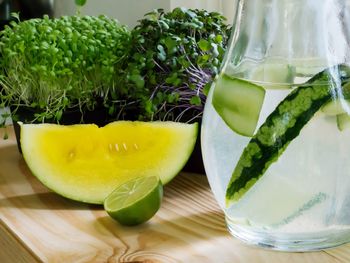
(135, 201)
(238, 103)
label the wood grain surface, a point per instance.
(37, 225)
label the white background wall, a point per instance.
(226, 7)
(129, 11)
(126, 11)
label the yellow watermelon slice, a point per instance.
(86, 163)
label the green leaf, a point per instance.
(191, 14)
(138, 80)
(16, 16)
(58, 115)
(173, 97)
(206, 88)
(184, 62)
(80, 2)
(196, 100)
(172, 79)
(177, 82)
(204, 45)
(201, 60)
(218, 39)
(149, 107)
(171, 45)
(152, 79)
(111, 110)
(152, 16)
(160, 96)
(65, 102)
(163, 24)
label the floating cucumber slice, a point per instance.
(343, 121)
(307, 67)
(280, 75)
(336, 107)
(238, 103)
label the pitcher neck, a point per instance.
(289, 31)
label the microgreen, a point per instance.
(161, 70)
(174, 57)
(80, 2)
(51, 65)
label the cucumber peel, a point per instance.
(282, 126)
(238, 103)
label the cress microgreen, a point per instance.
(51, 65)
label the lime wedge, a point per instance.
(135, 201)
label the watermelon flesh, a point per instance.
(85, 163)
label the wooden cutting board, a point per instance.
(37, 225)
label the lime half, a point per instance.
(135, 201)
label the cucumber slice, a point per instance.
(343, 121)
(281, 75)
(238, 103)
(336, 107)
(307, 67)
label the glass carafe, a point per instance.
(276, 126)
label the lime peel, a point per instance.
(136, 201)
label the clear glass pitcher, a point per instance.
(276, 126)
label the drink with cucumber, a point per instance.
(276, 141)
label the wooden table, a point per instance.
(37, 225)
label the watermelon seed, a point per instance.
(124, 145)
(116, 147)
(71, 154)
